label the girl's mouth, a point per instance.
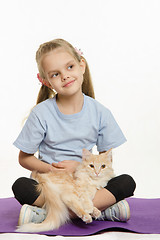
(69, 83)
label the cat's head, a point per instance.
(97, 165)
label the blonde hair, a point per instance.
(45, 92)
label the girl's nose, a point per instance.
(64, 76)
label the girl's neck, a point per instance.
(70, 104)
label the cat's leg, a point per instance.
(96, 213)
(74, 204)
(87, 203)
(89, 207)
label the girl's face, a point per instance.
(63, 72)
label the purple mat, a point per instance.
(145, 218)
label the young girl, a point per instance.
(65, 120)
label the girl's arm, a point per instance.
(30, 162)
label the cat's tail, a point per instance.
(57, 212)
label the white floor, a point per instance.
(102, 236)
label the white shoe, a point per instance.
(118, 212)
(31, 214)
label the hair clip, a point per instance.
(79, 51)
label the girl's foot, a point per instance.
(118, 212)
(30, 213)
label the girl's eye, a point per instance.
(103, 166)
(70, 67)
(54, 75)
(91, 165)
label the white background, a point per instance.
(121, 42)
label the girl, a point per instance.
(65, 120)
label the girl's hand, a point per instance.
(66, 165)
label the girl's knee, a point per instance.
(122, 186)
(24, 190)
(128, 182)
(18, 184)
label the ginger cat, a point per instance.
(63, 191)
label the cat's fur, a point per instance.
(63, 191)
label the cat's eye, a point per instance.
(103, 166)
(91, 165)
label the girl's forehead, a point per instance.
(57, 57)
(58, 53)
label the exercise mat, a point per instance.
(145, 218)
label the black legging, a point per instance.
(121, 187)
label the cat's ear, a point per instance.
(86, 154)
(109, 155)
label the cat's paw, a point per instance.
(87, 218)
(96, 213)
(89, 210)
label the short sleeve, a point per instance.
(110, 134)
(32, 135)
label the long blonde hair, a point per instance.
(45, 92)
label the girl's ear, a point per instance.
(86, 154)
(83, 65)
(43, 81)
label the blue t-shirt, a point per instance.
(57, 136)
